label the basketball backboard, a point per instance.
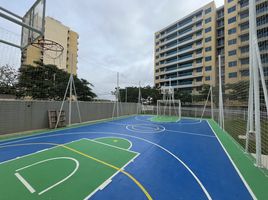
(34, 17)
(32, 23)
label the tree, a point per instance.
(148, 93)
(47, 82)
(8, 79)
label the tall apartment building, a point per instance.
(186, 52)
(237, 38)
(55, 31)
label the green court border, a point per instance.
(165, 119)
(255, 178)
(18, 135)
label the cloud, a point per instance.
(116, 35)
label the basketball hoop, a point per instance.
(51, 46)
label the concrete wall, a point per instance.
(16, 115)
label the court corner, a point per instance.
(256, 180)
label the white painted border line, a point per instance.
(190, 133)
(231, 160)
(139, 138)
(127, 150)
(115, 137)
(101, 187)
(42, 150)
(25, 183)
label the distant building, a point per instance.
(186, 51)
(55, 31)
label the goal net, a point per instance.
(169, 108)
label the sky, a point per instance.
(114, 35)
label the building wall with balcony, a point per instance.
(237, 65)
(195, 41)
(185, 48)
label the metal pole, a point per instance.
(221, 115)
(117, 95)
(253, 33)
(19, 23)
(212, 109)
(10, 44)
(11, 13)
(70, 97)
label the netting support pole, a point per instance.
(209, 93)
(117, 96)
(221, 113)
(211, 98)
(139, 99)
(61, 107)
(256, 92)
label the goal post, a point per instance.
(169, 108)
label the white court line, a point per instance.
(25, 183)
(109, 180)
(111, 146)
(57, 183)
(116, 137)
(42, 150)
(131, 127)
(237, 170)
(190, 133)
(148, 141)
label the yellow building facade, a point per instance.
(55, 31)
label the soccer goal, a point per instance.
(169, 108)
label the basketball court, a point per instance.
(132, 158)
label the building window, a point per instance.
(245, 73)
(232, 20)
(233, 75)
(208, 39)
(207, 20)
(229, 1)
(198, 42)
(198, 24)
(244, 15)
(198, 79)
(199, 51)
(232, 9)
(207, 29)
(244, 49)
(244, 61)
(198, 33)
(232, 53)
(208, 58)
(232, 31)
(199, 69)
(199, 60)
(232, 64)
(207, 10)
(208, 49)
(244, 37)
(232, 42)
(208, 68)
(207, 78)
(244, 26)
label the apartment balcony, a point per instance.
(195, 20)
(243, 55)
(189, 85)
(241, 9)
(194, 39)
(194, 29)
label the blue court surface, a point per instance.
(176, 160)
